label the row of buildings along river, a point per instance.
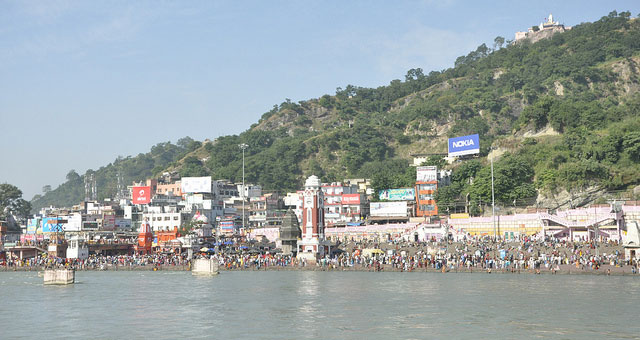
(170, 213)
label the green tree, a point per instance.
(498, 42)
(631, 144)
(23, 210)
(10, 199)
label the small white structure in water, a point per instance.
(77, 249)
(204, 267)
(59, 276)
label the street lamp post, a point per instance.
(243, 146)
(493, 203)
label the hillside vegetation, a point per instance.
(561, 114)
(130, 169)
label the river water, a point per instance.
(330, 305)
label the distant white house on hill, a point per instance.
(544, 30)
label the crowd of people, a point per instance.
(100, 262)
(470, 254)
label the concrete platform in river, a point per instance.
(59, 276)
(204, 267)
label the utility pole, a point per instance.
(596, 228)
(493, 204)
(243, 146)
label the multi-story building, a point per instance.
(224, 189)
(354, 208)
(161, 220)
(250, 190)
(428, 181)
(333, 207)
(169, 189)
(363, 185)
(266, 210)
(425, 203)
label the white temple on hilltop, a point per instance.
(548, 25)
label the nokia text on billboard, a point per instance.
(465, 145)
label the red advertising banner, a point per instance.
(141, 195)
(351, 199)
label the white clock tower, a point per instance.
(312, 245)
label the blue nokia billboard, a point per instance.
(465, 145)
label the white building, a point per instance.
(163, 221)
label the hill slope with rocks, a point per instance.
(559, 117)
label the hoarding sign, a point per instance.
(465, 145)
(388, 209)
(351, 199)
(109, 222)
(31, 237)
(52, 225)
(32, 226)
(404, 194)
(122, 223)
(426, 173)
(141, 195)
(226, 224)
(195, 184)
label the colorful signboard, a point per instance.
(141, 195)
(404, 194)
(351, 199)
(32, 225)
(226, 224)
(51, 225)
(465, 145)
(426, 173)
(31, 238)
(195, 184)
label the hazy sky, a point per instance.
(82, 82)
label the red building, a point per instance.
(425, 203)
(145, 239)
(167, 235)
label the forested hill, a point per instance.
(561, 114)
(130, 169)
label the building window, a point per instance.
(423, 187)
